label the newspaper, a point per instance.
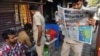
(72, 32)
(71, 18)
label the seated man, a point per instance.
(11, 47)
(26, 38)
(23, 36)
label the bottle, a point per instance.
(46, 50)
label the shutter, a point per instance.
(7, 21)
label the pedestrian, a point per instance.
(38, 29)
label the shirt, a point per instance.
(38, 19)
(24, 38)
(8, 50)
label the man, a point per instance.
(23, 36)
(11, 47)
(68, 43)
(38, 29)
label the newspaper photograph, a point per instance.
(85, 34)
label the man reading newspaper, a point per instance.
(68, 43)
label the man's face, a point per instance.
(12, 39)
(77, 5)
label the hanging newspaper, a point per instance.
(75, 21)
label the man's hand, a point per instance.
(60, 21)
(38, 43)
(91, 22)
(78, 23)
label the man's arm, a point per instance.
(91, 22)
(39, 34)
(60, 21)
(28, 42)
(38, 23)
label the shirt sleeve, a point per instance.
(1, 53)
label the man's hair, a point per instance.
(27, 26)
(90, 14)
(6, 33)
(33, 7)
(75, 1)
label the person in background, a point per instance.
(23, 36)
(38, 29)
(26, 38)
(11, 47)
